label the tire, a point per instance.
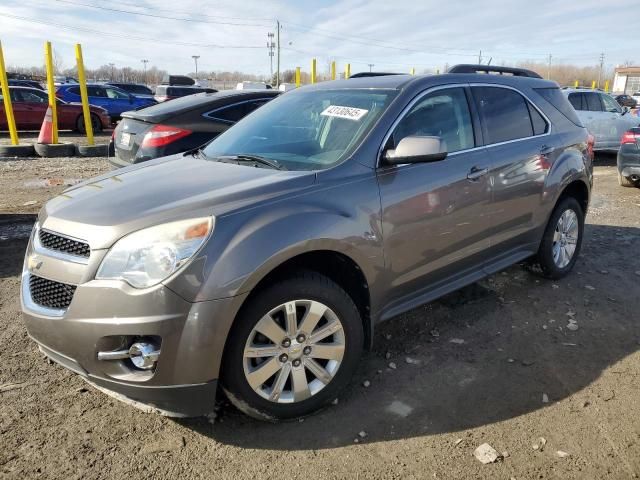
(624, 181)
(55, 150)
(12, 151)
(101, 150)
(317, 291)
(95, 123)
(550, 264)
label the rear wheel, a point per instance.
(96, 124)
(562, 239)
(293, 348)
(624, 181)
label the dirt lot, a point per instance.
(492, 363)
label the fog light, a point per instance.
(144, 355)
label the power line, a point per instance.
(131, 37)
(195, 20)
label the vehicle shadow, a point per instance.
(14, 236)
(481, 355)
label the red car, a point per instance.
(30, 107)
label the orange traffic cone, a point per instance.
(46, 131)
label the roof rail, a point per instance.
(372, 74)
(516, 72)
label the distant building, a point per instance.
(627, 80)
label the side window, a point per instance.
(577, 101)
(593, 102)
(505, 114)
(251, 106)
(537, 121)
(610, 105)
(76, 90)
(116, 94)
(443, 113)
(15, 95)
(31, 97)
(92, 91)
(230, 114)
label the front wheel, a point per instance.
(293, 348)
(562, 239)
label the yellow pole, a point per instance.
(8, 108)
(51, 88)
(86, 113)
(576, 83)
(606, 86)
(333, 70)
(413, 71)
(313, 70)
(297, 77)
(347, 70)
(593, 85)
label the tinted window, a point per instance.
(593, 102)
(116, 94)
(505, 114)
(444, 114)
(537, 121)
(230, 114)
(31, 97)
(610, 105)
(93, 91)
(76, 90)
(577, 101)
(560, 102)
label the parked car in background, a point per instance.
(136, 89)
(246, 85)
(629, 158)
(636, 96)
(112, 99)
(286, 87)
(179, 80)
(265, 261)
(169, 92)
(605, 119)
(626, 101)
(25, 83)
(62, 80)
(30, 106)
(181, 125)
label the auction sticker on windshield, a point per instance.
(350, 113)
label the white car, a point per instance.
(246, 85)
(605, 119)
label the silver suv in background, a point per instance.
(264, 261)
(603, 116)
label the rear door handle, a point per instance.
(475, 173)
(545, 150)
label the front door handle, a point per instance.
(475, 173)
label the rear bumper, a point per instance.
(629, 160)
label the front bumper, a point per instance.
(108, 315)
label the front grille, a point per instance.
(63, 244)
(50, 294)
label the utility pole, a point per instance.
(270, 45)
(371, 65)
(549, 67)
(278, 52)
(195, 59)
(144, 63)
(601, 69)
(112, 65)
(480, 58)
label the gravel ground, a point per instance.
(493, 363)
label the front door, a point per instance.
(434, 214)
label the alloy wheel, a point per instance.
(565, 238)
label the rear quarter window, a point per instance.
(559, 101)
(505, 114)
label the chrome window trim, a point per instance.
(67, 257)
(463, 85)
(30, 305)
(231, 105)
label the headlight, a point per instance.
(146, 257)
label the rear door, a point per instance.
(119, 100)
(97, 96)
(579, 102)
(516, 136)
(601, 120)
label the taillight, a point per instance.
(591, 140)
(162, 135)
(630, 137)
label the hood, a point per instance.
(105, 208)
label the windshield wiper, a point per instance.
(255, 159)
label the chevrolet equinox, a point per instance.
(262, 262)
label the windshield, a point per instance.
(302, 130)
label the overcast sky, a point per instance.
(393, 35)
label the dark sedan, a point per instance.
(182, 124)
(629, 158)
(626, 101)
(30, 106)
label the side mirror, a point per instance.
(417, 149)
